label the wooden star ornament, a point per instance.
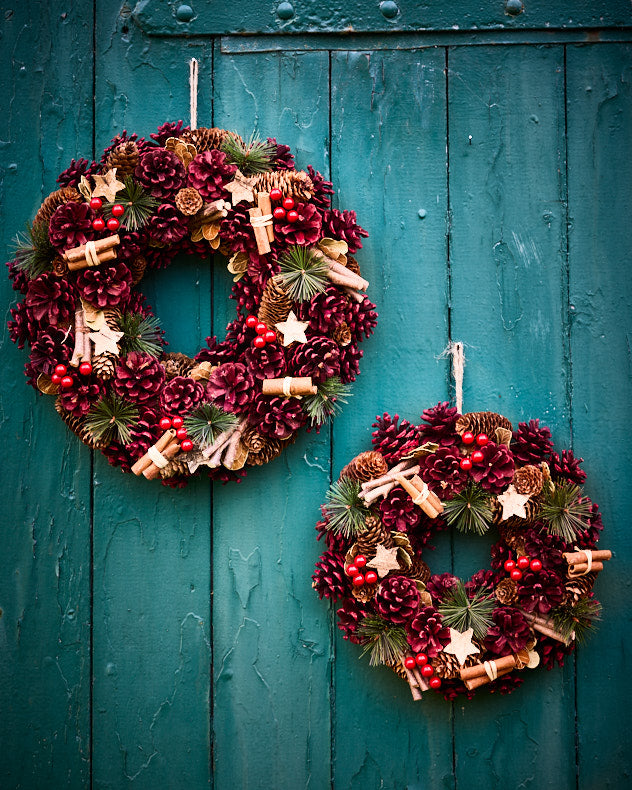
(513, 503)
(107, 186)
(106, 339)
(461, 645)
(385, 560)
(293, 330)
(241, 188)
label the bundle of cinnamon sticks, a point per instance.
(421, 495)
(380, 486)
(83, 349)
(482, 674)
(582, 562)
(92, 253)
(158, 456)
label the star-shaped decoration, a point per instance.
(241, 188)
(385, 560)
(461, 645)
(105, 339)
(513, 503)
(293, 330)
(107, 186)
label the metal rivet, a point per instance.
(422, 213)
(514, 7)
(184, 13)
(389, 9)
(285, 10)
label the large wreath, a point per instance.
(471, 473)
(289, 354)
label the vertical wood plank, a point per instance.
(508, 245)
(152, 644)
(270, 632)
(388, 162)
(599, 102)
(45, 578)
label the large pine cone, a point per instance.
(124, 158)
(426, 633)
(482, 422)
(373, 534)
(496, 470)
(365, 466)
(139, 377)
(397, 598)
(528, 480)
(181, 395)
(392, 438)
(580, 587)
(330, 580)
(275, 303)
(177, 466)
(205, 139)
(318, 358)
(531, 443)
(104, 365)
(78, 427)
(293, 183)
(231, 387)
(418, 570)
(53, 202)
(261, 449)
(176, 364)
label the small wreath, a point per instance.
(288, 356)
(471, 473)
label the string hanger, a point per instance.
(194, 68)
(455, 351)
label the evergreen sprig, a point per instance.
(140, 333)
(469, 510)
(138, 204)
(206, 422)
(254, 156)
(385, 642)
(112, 418)
(327, 402)
(345, 509)
(564, 510)
(460, 611)
(33, 251)
(303, 273)
(576, 619)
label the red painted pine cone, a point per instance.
(231, 387)
(397, 599)
(318, 358)
(209, 173)
(160, 172)
(138, 377)
(181, 395)
(330, 580)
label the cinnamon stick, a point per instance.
(583, 568)
(261, 234)
(81, 330)
(417, 682)
(289, 386)
(421, 495)
(100, 246)
(476, 676)
(145, 461)
(353, 294)
(265, 204)
(546, 627)
(359, 283)
(405, 468)
(82, 263)
(170, 451)
(483, 680)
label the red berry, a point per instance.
(371, 577)
(259, 342)
(61, 370)
(66, 382)
(352, 570)
(427, 670)
(358, 580)
(409, 662)
(98, 224)
(181, 433)
(270, 336)
(279, 213)
(466, 464)
(523, 563)
(56, 378)
(252, 321)
(360, 561)
(276, 194)
(477, 457)
(292, 216)
(482, 439)
(516, 574)
(187, 446)
(96, 203)
(421, 659)
(177, 422)
(509, 565)
(118, 210)
(261, 328)
(288, 203)
(113, 223)
(165, 423)
(535, 565)
(467, 437)
(434, 682)
(85, 368)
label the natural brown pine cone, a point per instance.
(177, 466)
(447, 667)
(528, 480)
(124, 158)
(580, 587)
(60, 267)
(365, 593)
(531, 509)
(482, 422)
(112, 318)
(275, 303)
(293, 183)
(78, 427)
(373, 534)
(342, 334)
(398, 669)
(366, 466)
(418, 570)
(53, 202)
(176, 364)
(189, 201)
(506, 591)
(104, 365)
(513, 536)
(205, 139)
(261, 449)
(137, 268)
(353, 265)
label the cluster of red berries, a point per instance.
(476, 456)
(186, 445)
(286, 210)
(516, 567)
(264, 335)
(99, 223)
(427, 670)
(358, 577)
(61, 376)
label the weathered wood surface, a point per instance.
(154, 638)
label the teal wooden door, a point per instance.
(154, 638)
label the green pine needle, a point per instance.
(327, 402)
(33, 251)
(386, 643)
(577, 619)
(112, 418)
(345, 509)
(469, 510)
(254, 156)
(461, 612)
(564, 511)
(139, 205)
(141, 333)
(205, 423)
(303, 273)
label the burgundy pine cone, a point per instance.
(350, 614)
(426, 634)
(51, 347)
(71, 176)
(322, 189)
(541, 592)
(267, 362)
(78, 399)
(343, 225)
(318, 358)
(71, 225)
(167, 226)
(181, 395)
(22, 327)
(138, 377)
(330, 580)
(567, 467)
(51, 300)
(393, 438)
(398, 511)
(439, 424)
(531, 443)
(509, 633)
(209, 173)
(496, 470)
(276, 417)
(442, 471)
(284, 160)
(105, 286)
(361, 318)
(397, 599)
(305, 231)
(350, 357)
(324, 311)
(237, 228)
(160, 172)
(231, 387)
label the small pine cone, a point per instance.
(261, 449)
(366, 466)
(205, 139)
(53, 202)
(373, 534)
(506, 592)
(398, 669)
(293, 183)
(353, 265)
(189, 201)
(177, 466)
(342, 334)
(513, 536)
(176, 364)
(124, 158)
(104, 365)
(528, 480)
(137, 268)
(482, 422)
(531, 507)
(78, 427)
(60, 267)
(112, 318)
(418, 570)
(446, 666)
(580, 587)
(365, 593)
(275, 303)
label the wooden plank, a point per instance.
(45, 565)
(270, 632)
(388, 162)
(152, 652)
(508, 244)
(599, 102)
